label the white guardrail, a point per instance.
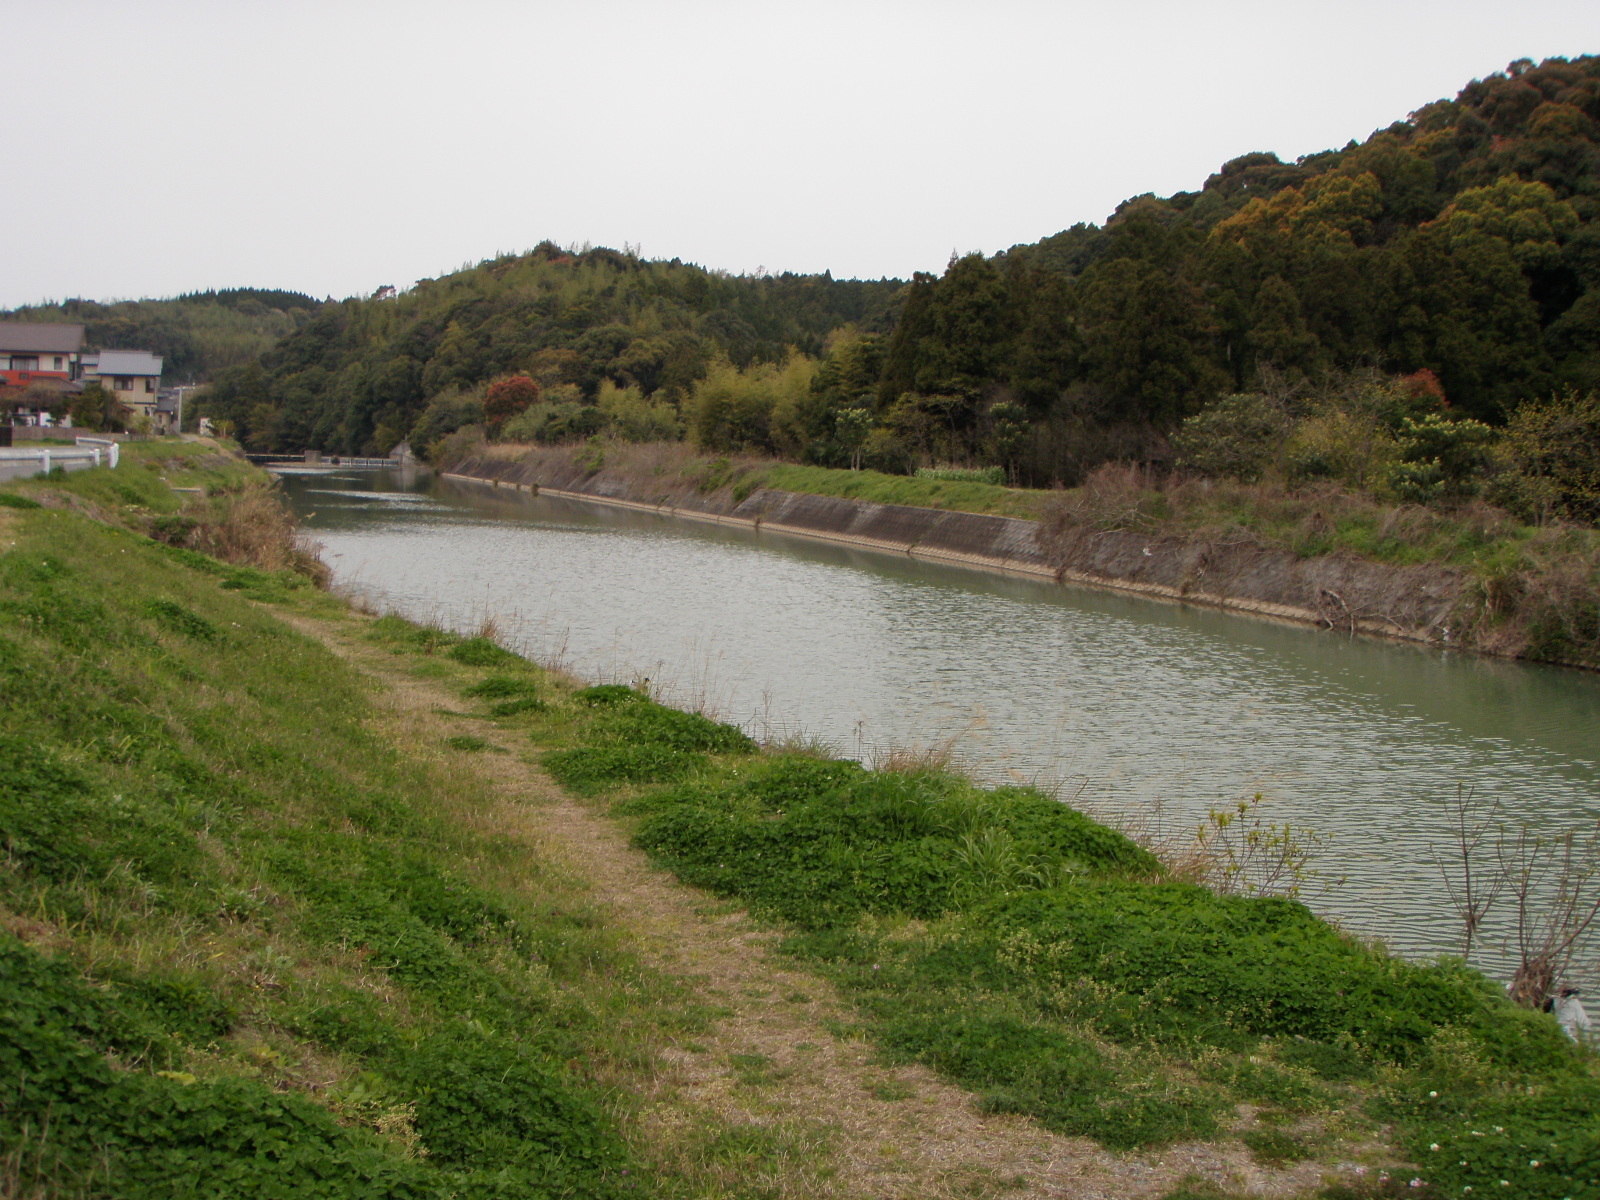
(19, 462)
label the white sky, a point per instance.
(152, 148)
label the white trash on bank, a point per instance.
(1571, 1015)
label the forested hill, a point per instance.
(358, 376)
(198, 334)
(1461, 241)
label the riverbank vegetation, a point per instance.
(1466, 574)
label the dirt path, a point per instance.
(772, 1059)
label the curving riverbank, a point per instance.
(1410, 603)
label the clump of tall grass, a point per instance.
(252, 527)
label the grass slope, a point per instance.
(957, 496)
(1044, 961)
(247, 945)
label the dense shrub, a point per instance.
(505, 398)
(1550, 459)
(569, 421)
(1440, 459)
(1239, 436)
(449, 411)
(481, 652)
(633, 417)
(501, 687)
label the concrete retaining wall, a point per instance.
(1407, 603)
(993, 543)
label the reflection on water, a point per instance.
(1136, 706)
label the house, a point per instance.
(133, 377)
(33, 354)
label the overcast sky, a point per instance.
(154, 148)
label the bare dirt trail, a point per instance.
(772, 1058)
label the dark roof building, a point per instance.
(20, 337)
(38, 353)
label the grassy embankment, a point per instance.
(251, 947)
(1057, 969)
(252, 941)
(1309, 521)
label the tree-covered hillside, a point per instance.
(359, 375)
(1460, 242)
(197, 334)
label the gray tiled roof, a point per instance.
(129, 362)
(39, 338)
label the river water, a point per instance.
(1145, 712)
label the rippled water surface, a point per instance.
(1145, 709)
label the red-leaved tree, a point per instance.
(507, 397)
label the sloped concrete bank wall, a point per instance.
(1410, 603)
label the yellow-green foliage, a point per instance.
(635, 418)
(732, 409)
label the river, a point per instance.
(1148, 713)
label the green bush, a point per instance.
(177, 619)
(1440, 459)
(449, 411)
(1549, 459)
(608, 695)
(481, 652)
(554, 423)
(1353, 447)
(1239, 436)
(819, 842)
(589, 770)
(633, 417)
(1056, 1077)
(481, 1101)
(650, 724)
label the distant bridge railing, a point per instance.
(312, 459)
